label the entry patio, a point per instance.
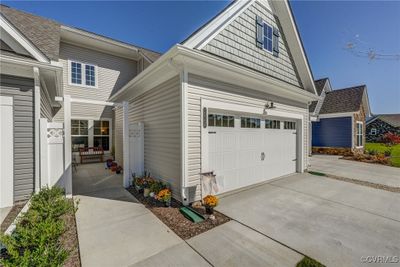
(114, 229)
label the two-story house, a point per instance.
(232, 98)
(40, 60)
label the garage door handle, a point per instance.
(212, 132)
(262, 155)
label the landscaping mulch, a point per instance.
(15, 210)
(69, 240)
(172, 217)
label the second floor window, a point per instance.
(268, 32)
(83, 74)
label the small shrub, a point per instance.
(391, 138)
(35, 241)
(308, 262)
(388, 152)
(372, 152)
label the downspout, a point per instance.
(183, 74)
(36, 76)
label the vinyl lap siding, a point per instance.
(332, 132)
(159, 109)
(21, 89)
(237, 42)
(46, 110)
(200, 88)
(113, 73)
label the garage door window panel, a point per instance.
(217, 120)
(272, 124)
(289, 125)
(246, 122)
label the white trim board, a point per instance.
(336, 115)
(6, 152)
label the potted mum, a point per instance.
(165, 196)
(210, 202)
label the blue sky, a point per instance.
(326, 28)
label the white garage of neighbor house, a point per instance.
(232, 98)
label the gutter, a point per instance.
(198, 57)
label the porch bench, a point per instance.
(90, 153)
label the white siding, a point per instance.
(159, 109)
(200, 88)
(113, 72)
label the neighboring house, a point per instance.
(232, 98)
(41, 60)
(379, 125)
(338, 118)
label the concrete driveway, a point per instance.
(332, 221)
(374, 173)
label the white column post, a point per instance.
(125, 134)
(44, 152)
(37, 130)
(67, 146)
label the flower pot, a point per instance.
(146, 192)
(167, 203)
(209, 210)
(152, 194)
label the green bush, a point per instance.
(36, 239)
(308, 262)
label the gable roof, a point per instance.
(282, 9)
(343, 100)
(45, 34)
(392, 119)
(320, 84)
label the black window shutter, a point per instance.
(276, 42)
(259, 32)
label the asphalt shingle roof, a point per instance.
(319, 85)
(343, 100)
(45, 33)
(392, 119)
(42, 32)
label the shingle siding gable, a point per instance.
(237, 43)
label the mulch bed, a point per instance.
(69, 240)
(15, 210)
(172, 217)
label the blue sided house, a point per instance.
(338, 118)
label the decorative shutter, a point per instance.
(275, 48)
(259, 32)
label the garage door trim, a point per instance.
(256, 110)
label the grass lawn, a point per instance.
(381, 148)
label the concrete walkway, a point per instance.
(115, 230)
(331, 221)
(373, 173)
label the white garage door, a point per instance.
(247, 150)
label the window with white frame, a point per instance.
(272, 124)
(83, 74)
(79, 134)
(221, 120)
(250, 122)
(359, 134)
(101, 134)
(289, 125)
(373, 131)
(90, 133)
(268, 35)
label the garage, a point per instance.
(245, 149)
